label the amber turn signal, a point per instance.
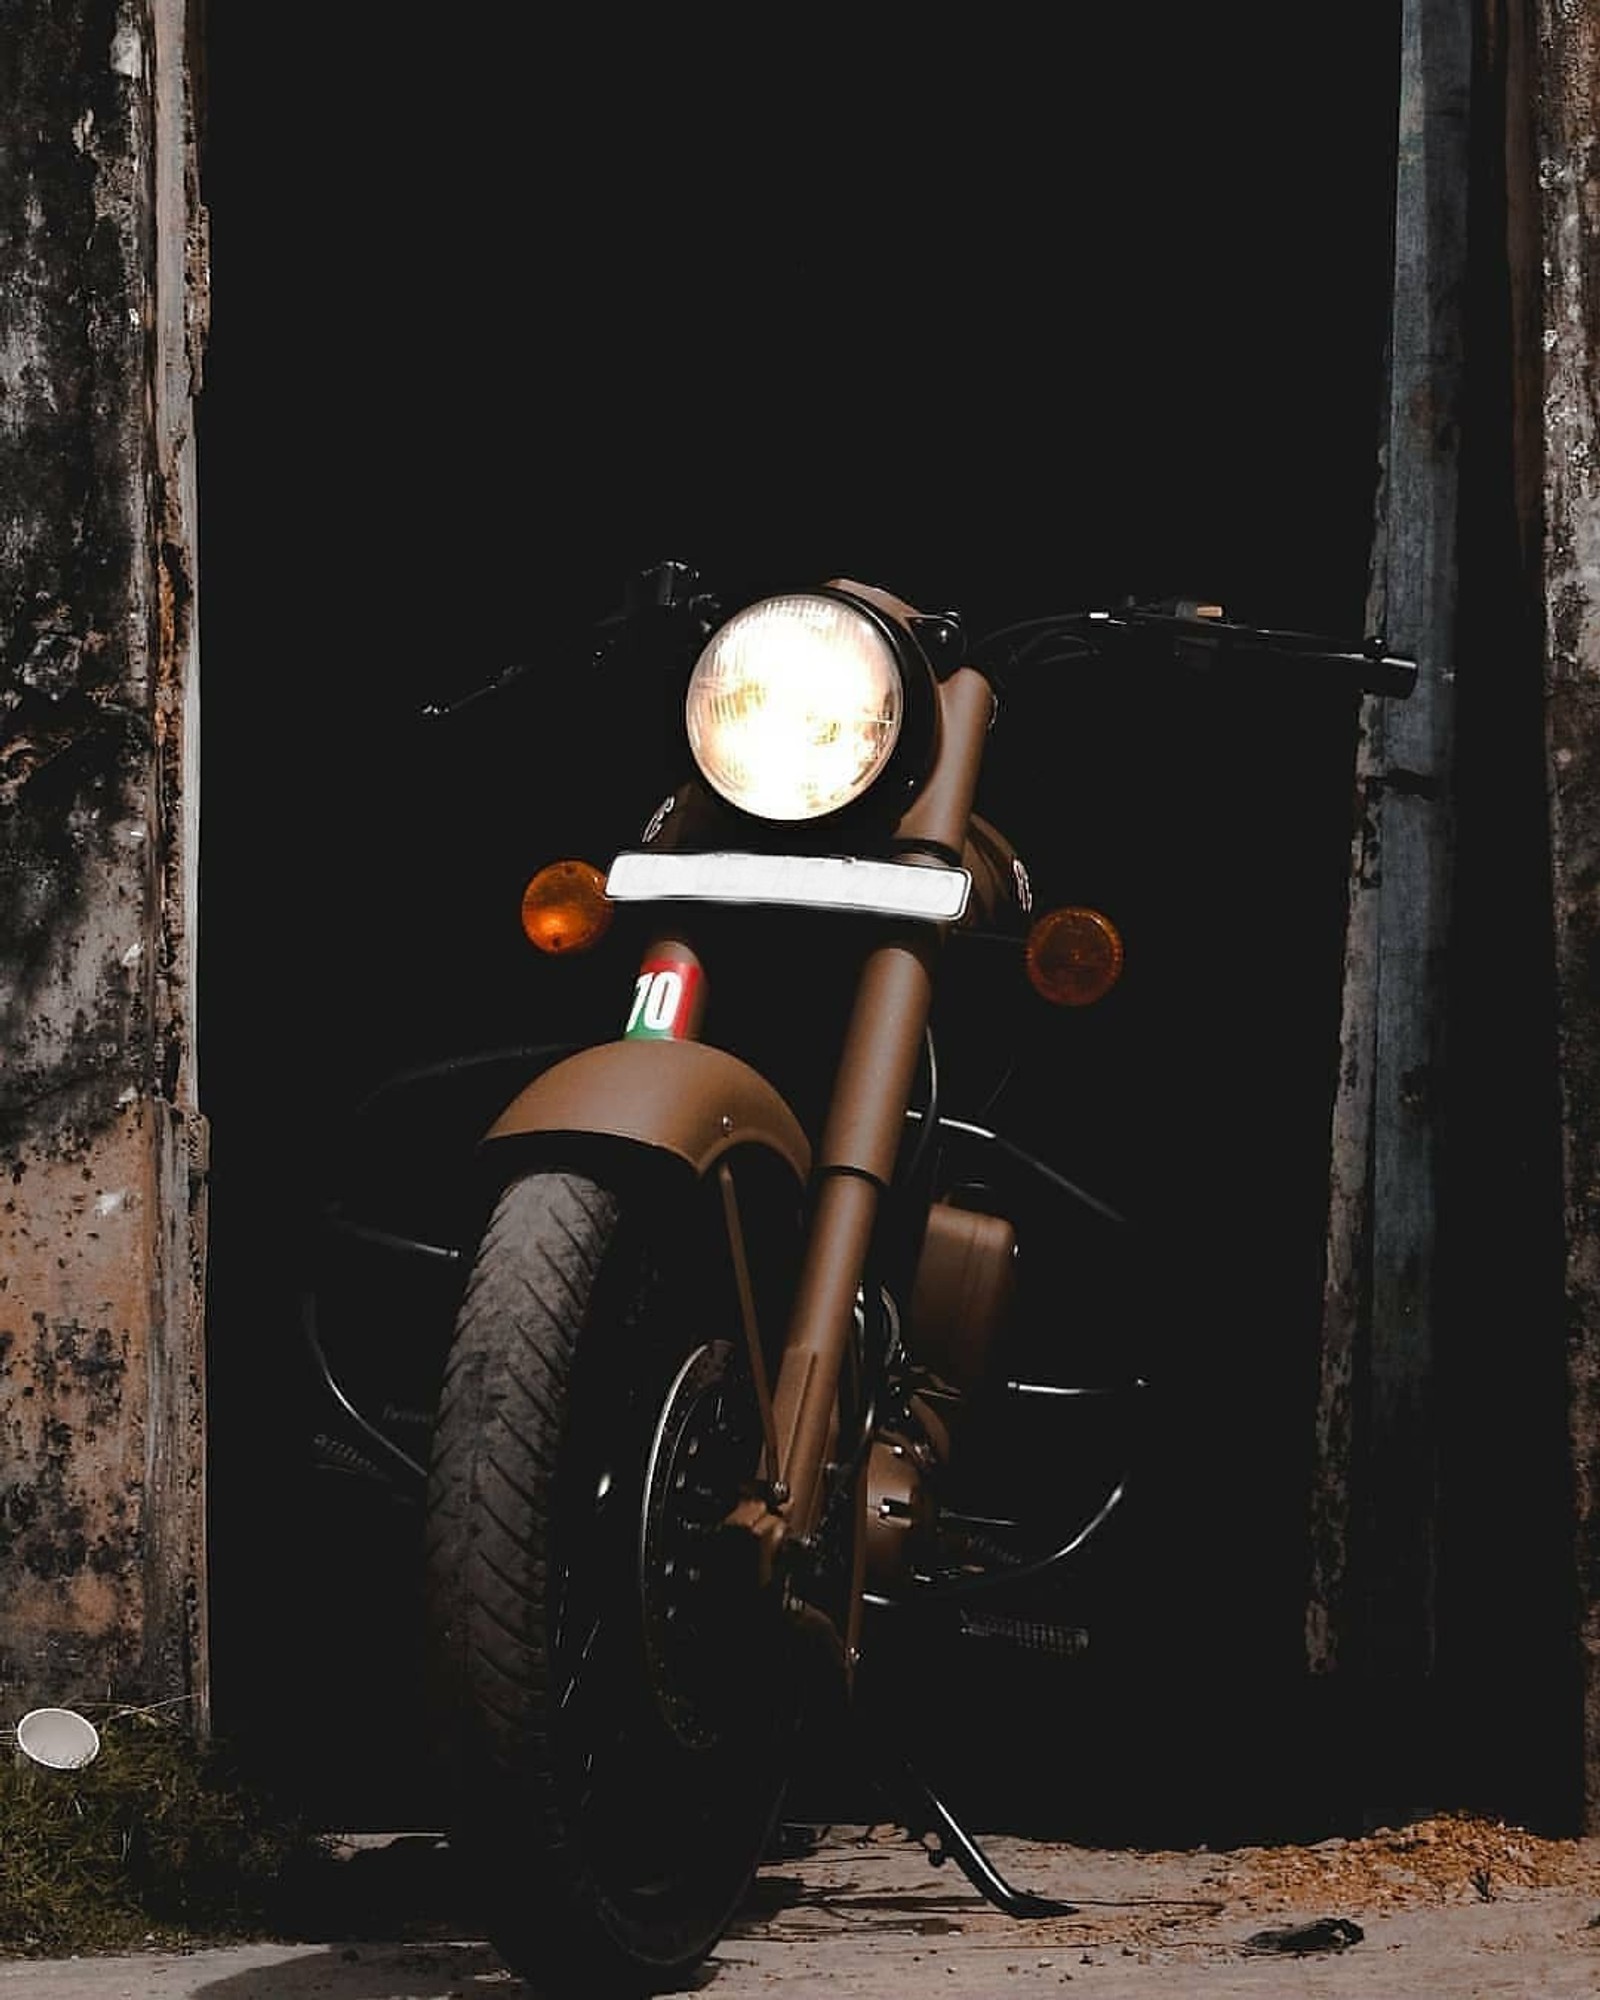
(1074, 957)
(565, 908)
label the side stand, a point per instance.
(946, 1839)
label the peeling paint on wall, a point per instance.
(101, 1220)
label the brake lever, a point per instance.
(442, 711)
(663, 608)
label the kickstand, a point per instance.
(946, 1839)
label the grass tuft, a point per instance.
(160, 1839)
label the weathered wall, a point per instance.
(1371, 1614)
(101, 1398)
(1567, 64)
(1458, 1438)
(1465, 1581)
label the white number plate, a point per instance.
(809, 881)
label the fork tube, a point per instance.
(808, 1376)
(855, 1163)
(866, 1120)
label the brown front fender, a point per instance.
(684, 1098)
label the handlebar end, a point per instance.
(1389, 673)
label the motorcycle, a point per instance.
(740, 1398)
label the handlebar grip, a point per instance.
(1389, 673)
(1370, 668)
(1205, 642)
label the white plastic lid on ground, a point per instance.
(59, 1738)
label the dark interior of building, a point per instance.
(1013, 317)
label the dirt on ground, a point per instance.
(1451, 1908)
(1448, 1859)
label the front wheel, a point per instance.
(609, 1690)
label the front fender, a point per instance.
(687, 1099)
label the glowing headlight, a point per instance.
(795, 707)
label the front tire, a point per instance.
(608, 1687)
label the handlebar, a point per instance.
(1198, 638)
(442, 711)
(664, 616)
(1203, 641)
(668, 616)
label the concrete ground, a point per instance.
(1448, 1909)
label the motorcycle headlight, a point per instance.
(795, 707)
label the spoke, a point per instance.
(584, 1652)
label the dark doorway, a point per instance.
(1010, 318)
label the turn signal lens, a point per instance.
(564, 907)
(1074, 957)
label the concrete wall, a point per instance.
(101, 1150)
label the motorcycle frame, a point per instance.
(680, 1100)
(697, 1102)
(690, 1104)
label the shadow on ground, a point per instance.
(450, 1967)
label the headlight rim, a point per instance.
(910, 761)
